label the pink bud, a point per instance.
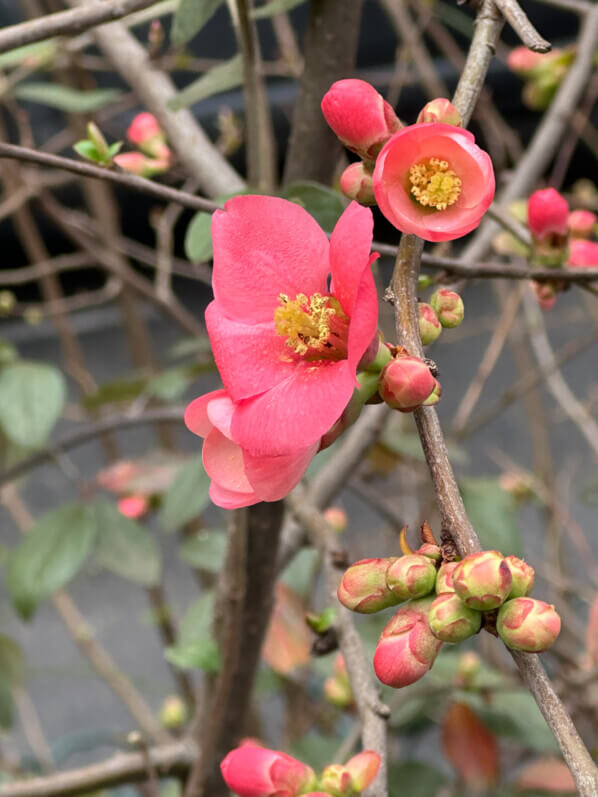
(444, 577)
(363, 768)
(483, 580)
(356, 183)
(429, 325)
(133, 506)
(337, 780)
(582, 223)
(545, 293)
(522, 61)
(547, 214)
(407, 647)
(583, 254)
(337, 518)
(440, 110)
(405, 383)
(141, 165)
(430, 550)
(528, 624)
(359, 116)
(411, 576)
(252, 771)
(523, 576)
(363, 587)
(145, 131)
(451, 620)
(448, 306)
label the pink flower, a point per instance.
(252, 771)
(522, 61)
(405, 383)
(582, 223)
(238, 477)
(133, 506)
(434, 181)
(141, 165)
(287, 346)
(359, 116)
(145, 131)
(583, 254)
(547, 214)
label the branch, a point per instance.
(67, 23)
(518, 20)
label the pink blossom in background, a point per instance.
(582, 223)
(133, 506)
(253, 771)
(239, 478)
(522, 60)
(583, 254)
(139, 164)
(432, 180)
(547, 214)
(146, 132)
(287, 344)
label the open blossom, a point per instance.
(434, 181)
(287, 345)
(239, 478)
(583, 254)
(253, 771)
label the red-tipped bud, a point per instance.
(440, 110)
(337, 518)
(356, 183)
(407, 647)
(522, 576)
(430, 550)
(429, 325)
(444, 577)
(411, 576)
(451, 620)
(133, 506)
(139, 164)
(363, 768)
(337, 780)
(252, 771)
(363, 587)
(583, 254)
(547, 214)
(434, 396)
(546, 294)
(582, 223)
(359, 116)
(483, 580)
(405, 383)
(448, 306)
(145, 131)
(528, 624)
(523, 61)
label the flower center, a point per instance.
(433, 184)
(315, 327)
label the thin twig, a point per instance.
(518, 20)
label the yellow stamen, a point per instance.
(433, 184)
(310, 325)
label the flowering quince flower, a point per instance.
(253, 771)
(287, 345)
(434, 181)
(583, 254)
(239, 478)
(145, 131)
(133, 506)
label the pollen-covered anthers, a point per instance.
(315, 327)
(433, 184)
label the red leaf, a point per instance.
(547, 774)
(470, 747)
(288, 641)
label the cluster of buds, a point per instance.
(447, 601)
(542, 73)
(444, 310)
(406, 383)
(154, 155)
(254, 771)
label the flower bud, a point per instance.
(356, 183)
(448, 306)
(337, 688)
(582, 223)
(363, 587)
(528, 624)
(337, 518)
(407, 647)
(444, 577)
(359, 116)
(429, 325)
(139, 164)
(173, 713)
(483, 580)
(145, 131)
(133, 506)
(547, 214)
(583, 254)
(337, 780)
(522, 61)
(434, 396)
(442, 111)
(546, 294)
(430, 550)
(406, 382)
(253, 771)
(363, 768)
(451, 620)
(411, 576)
(523, 577)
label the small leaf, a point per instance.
(38, 53)
(31, 400)
(6, 706)
(323, 621)
(190, 18)
(492, 512)
(275, 7)
(222, 77)
(65, 98)
(549, 775)
(324, 204)
(87, 149)
(171, 383)
(114, 149)
(12, 664)
(416, 779)
(202, 654)
(50, 555)
(125, 547)
(187, 497)
(205, 550)
(198, 238)
(470, 747)
(197, 620)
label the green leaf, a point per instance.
(324, 204)
(275, 7)
(88, 150)
(492, 512)
(125, 389)
(172, 382)
(190, 17)
(12, 663)
(315, 749)
(31, 400)
(198, 238)
(50, 555)
(125, 547)
(42, 52)
(515, 715)
(187, 496)
(197, 620)
(6, 706)
(222, 77)
(415, 778)
(114, 149)
(202, 654)
(65, 98)
(205, 550)
(190, 347)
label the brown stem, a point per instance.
(518, 20)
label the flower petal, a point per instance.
(223, 461)
(274, 477)
(265, 246)
(364, 320)
(227, 499)
(350, 246)
(196, 414)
